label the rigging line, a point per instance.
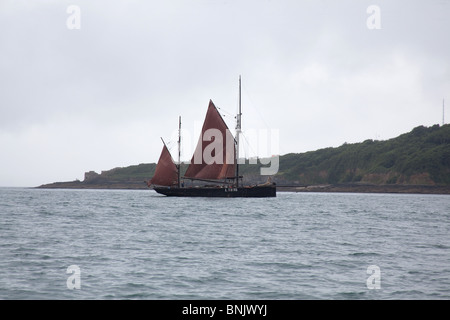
(225, 111)
(225, 115)
(252, 105)
(248, 145)
(170, 144)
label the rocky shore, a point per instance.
(369, 188)
(83, 185)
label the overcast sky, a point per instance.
(321, 73)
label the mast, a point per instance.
(179, 152)
(238, 131)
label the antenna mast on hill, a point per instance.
(238, 132)
(443, 109)
(179, 152)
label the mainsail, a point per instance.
(214, 156)
(166, 172)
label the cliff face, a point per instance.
(91, 176)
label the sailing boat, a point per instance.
(214, 161)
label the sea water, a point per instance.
(135, 244)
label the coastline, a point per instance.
(369, 188)
(344, 188)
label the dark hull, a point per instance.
(243, 192)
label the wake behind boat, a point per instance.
(215, 161)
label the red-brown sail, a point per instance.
(214, 156)
(166, 172)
